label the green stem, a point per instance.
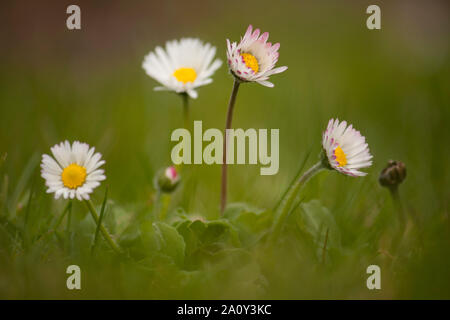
(223, 194)
(157, 204)
(185, 99)
(290, 197)
(103, 230)
(69, 218)
(402, 218)
(398, 204)
(165, 201)
(69, 243)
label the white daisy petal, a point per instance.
(94, 162)
(50, 164)
(266, 83)
(161, 89)
(193, 94)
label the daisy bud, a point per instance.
(167, 179)
(393, 174)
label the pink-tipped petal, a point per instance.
(248, 33)
(263, 38)
(255, 34)
(275, 47)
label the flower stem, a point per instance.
(290, 197)
(185, 99)
(223, 194)
(69, 243)
(398, 203)
(402, 218)
(103, 230)
(165, 201)
(157, 204)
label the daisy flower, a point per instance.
(345, 148)
(253, 59)
(73, 171)
(183, 66)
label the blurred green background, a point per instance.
(88, 85)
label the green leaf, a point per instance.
(252, 223)
(118, 218)
(314, 219)
(150, 240)
(204, 238)
(212, 231)
(171, 243)
(233, 210)
(130, 236)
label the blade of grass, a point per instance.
(114, 246)
(97, 230)
(53, 229)
(23, 180)
(324, 249)
(4, 196)
(299, 171)
(3, 158)
(28, 206)
(67, 208)
(27, 213)
(13, 230)
(297, 205)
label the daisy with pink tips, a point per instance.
(254, 59)
(345, 148)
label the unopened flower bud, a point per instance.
(393, 174)
(167, 179)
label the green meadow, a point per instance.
(88, 85)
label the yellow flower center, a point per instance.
(250, 61)
(73, 176)
(340, 156)
(185, 75)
